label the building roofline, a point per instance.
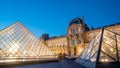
(110, 25)
(56, 37)
(73, 21)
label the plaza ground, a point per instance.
(66, 63)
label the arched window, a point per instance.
(79, 29)
(74, 30)
(74, 42)
(69, 31)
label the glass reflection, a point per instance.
(18, 42)
(109, 49)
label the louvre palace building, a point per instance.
(93, 44)
(78, 37)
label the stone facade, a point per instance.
(78, 36)
(58, 45)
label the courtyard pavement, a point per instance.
(66, 63)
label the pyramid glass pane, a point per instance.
(104, 48)
(88, 57)
(105, 58)
(91, 49)
(118, 43)
(18, 42)
(108, 48)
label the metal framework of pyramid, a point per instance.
(18, 42)
(104, 48)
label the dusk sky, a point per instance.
(53, 16)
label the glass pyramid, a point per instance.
(18, 42)
(104, 48)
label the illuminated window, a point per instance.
(74, 42)
(74, 30)
(79, 29)
(69, 31)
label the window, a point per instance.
(74, 30)
(69, 32)
(79, 29)
(74, 42)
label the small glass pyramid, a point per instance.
(104, 48)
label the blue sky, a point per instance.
(53, 16)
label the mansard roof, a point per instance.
(75, 21)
